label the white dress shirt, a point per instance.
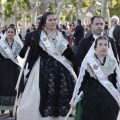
(111, 32)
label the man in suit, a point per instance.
(114, 32)
(29, 38)
(78, 34)
(97, 26)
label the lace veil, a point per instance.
(84, 67)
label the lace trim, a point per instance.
(7, 100)
(109, 66)
(16, 48)
(60, 43)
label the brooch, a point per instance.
(44, 39)
(95, 67)
(5, 47)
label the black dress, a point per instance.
(97, 103)
(56, 83)
(56, 87)
(9, 72)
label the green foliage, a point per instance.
(86, 3)
(112, 3)
(28, 18)
(74, 2)
(19, 17)
(51, 9)
(63, 17)
(12, 1)
(98, 12)
(9, 9)
(115, 10)
(24, 4)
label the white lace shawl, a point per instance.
(61, 43)
(84, 67)
(16, 47)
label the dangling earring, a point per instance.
(45, 28)
(106, 53)
(95, 52)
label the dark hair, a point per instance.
(43, 20)
(33, 25)
(92, 19)
(39, 18)
(34, 49)
(102, 37)
(64, 27)
(79, 21)
(41, 25)
(12, 28)
(13, 25)
(106, 27)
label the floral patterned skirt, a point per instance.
(56, 88)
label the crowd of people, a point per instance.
(71, 66)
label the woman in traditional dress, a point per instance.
(50, 80)
(99, 79)
(9, 68)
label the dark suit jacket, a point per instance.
(85, 45)
(28, 39)
(79, 34)
(116, 33)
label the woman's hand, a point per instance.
(73, 105)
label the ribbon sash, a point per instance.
(8, 52)
(103, 79)
(51, 50)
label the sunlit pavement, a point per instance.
(6, 116)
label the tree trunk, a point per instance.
(70, 18)
(43, 6)
(61, 3)
(1, 13)
(76, 12)
(104, 8)
(15, 20)
(108, 17)
(33, 14)
(23, 23)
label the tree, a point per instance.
(59, 7)
(43, 6)
(9, 8)
(104, 8)
(114, 7)
(1, 12)
(75, 4)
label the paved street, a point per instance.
(6, 116)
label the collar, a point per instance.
(95, 36)
(113, 26)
